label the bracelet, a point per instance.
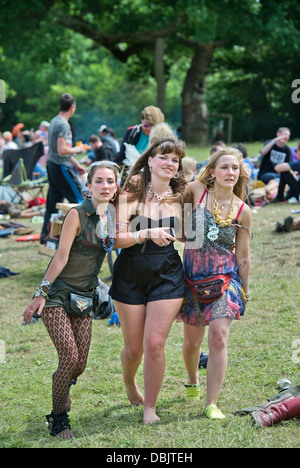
(45, 285)
(136, 235)
(40, 292)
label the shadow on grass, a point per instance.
(121, 418)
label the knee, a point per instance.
(191, 345)
(218, 340)
(154, 347)
(133, 351)
(79, 369)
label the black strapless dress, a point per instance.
(153, 275)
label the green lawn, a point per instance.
(263, 347)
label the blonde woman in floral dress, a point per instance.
(217, 245)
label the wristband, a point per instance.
(136, 237)
(45, 285)
(40, 292)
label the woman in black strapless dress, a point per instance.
(148, 279)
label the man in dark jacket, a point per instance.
(103, 150)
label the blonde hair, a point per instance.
(241, 188)
(189, 165)
(161, 130)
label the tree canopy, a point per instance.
(191, 57)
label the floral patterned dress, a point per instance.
(209, 251)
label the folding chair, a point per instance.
(18, 166)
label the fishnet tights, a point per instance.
(71, 337)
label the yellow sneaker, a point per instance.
(192, 391)
(213, 412)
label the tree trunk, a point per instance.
(159, 71)
(195, 117)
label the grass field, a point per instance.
(263, 347)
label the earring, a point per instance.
(176, 176)
(114, 197)
(216, 185)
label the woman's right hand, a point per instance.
(161, 236)
(36, 305)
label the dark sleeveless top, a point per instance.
(148, 272)
(85, 258)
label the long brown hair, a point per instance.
(241, 188)
(137, 186)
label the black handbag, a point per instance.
(79, 305)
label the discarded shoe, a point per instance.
(203, 361)
(288, 224)
(284, 408)
(114, 319)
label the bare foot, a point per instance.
(150, 415)
(134, 396)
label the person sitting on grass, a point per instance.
(289, 175)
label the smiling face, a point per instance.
(226, 171)
(164, 166)
(103, 186)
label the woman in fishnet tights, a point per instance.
(86, 236)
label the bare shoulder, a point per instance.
(196, 188)
(246, 215)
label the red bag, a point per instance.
(36, 201)
(209, 289)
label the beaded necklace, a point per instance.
(151, 190)
(217, 213)
(106, 231)
(213, 231)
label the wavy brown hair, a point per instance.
(241, 188)
(137, 186)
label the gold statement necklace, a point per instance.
(213, 231)
(217, 213)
